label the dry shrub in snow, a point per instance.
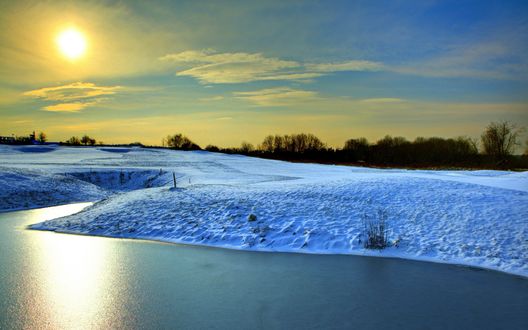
(376, 231)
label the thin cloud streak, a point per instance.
(383, 100)
(345, 66)
(73, 91)
(212, 98)
(68, 107)
(286, 96)
(278, 96)
(487, 60)
(73, 97)
(210, 67)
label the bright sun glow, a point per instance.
(71, 43)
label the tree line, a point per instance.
(42, 138)
(497, 144)
(76, 141)
(494, 149)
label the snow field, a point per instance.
(467, 217)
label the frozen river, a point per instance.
(50, 280)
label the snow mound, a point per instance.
(23, 189)
(427, 219)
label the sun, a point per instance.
(71, 43)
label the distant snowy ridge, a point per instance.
(467, 217)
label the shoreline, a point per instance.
(358, 253)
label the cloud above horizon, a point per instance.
(286, 96)
(73, 97)
(68, 107)
(278, 96)
(210, 67)
(382, 100)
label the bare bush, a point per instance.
(376, 231)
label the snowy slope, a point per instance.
(466, 217)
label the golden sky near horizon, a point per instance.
(223, 72)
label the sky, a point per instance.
(223, 72)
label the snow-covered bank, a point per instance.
(26, 189)
(475, 218)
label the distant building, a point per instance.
(7, 139)
(30, 139)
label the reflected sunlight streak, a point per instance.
(76, 275)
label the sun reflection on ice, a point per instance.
(48, 213)
(76, 275)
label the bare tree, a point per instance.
(278, 143)
(294, 143)
(499, 139)
(246, 147)
(42, 138)
(74, 141)
(357, 147)
(267, 144)
(180, 141)
(85, 139)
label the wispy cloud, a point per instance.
(210, 67)
(73, 91)
(212, 98)
(68, 107)
(286, 96)
(24, 121)
(217, 68)
(345, 66)
(74, 97)
(279, 96)
(382, 100)
(489, 60)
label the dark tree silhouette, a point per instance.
(74, 141)
(423, 152)
(87, 140)
(212, 148)
(181, 142)
(267, 144)
(42, 138)
(357, 149)
(499, 140)
(246, 147)
(294, 143)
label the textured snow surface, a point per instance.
(475, 218)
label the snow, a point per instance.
(477, 218)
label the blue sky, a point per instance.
(224, 72)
